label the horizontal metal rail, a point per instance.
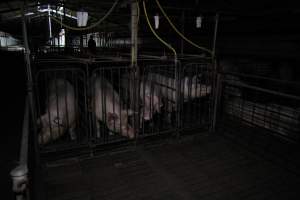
(260, 77)
(244, 85)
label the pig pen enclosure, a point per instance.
(154, 125)
(173, 152)
(105, 102)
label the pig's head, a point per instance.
(120, 123)
(50, 129)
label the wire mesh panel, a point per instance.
(263, 106)
(196, 80)
(262, 113)
(61, 98)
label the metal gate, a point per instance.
(112, 118)
(105, 102)
(196, 95)
(61, 104)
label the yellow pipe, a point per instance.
(179, 33)
(155, 34)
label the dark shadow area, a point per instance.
(205, 167)
(13, 87)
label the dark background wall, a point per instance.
(13, 87)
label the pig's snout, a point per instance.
(147, 115)
(44, 136)
(47, 135)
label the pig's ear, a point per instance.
(112, 116)
(43, 121)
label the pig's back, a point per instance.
(105, 98)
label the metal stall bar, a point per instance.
(112, 94)
(30, 84)
(62, 102)
(135, 72)
(20, 179)
(19, 175)
(216, 83)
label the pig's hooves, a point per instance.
(110, 133)
(41, 141)
(73, 135)
(98, 135)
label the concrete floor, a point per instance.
(209, 167)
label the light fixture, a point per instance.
(82, 18)
(156, 21)
(198, 21)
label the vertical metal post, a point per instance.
(19, 174)
(49, 23)
(135, 70)
(182, 30)
(217, 82)
(81, 43)
(66, 30)
(29, 73)
(178, 95)
(215, 34)
(30, 90)
(134, 33)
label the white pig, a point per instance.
(150, 99)
(148, 96)
(190, 88)
(60, 112)
(108, 109)
(166, 87)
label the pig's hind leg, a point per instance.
(98, 127)
(72, 132)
